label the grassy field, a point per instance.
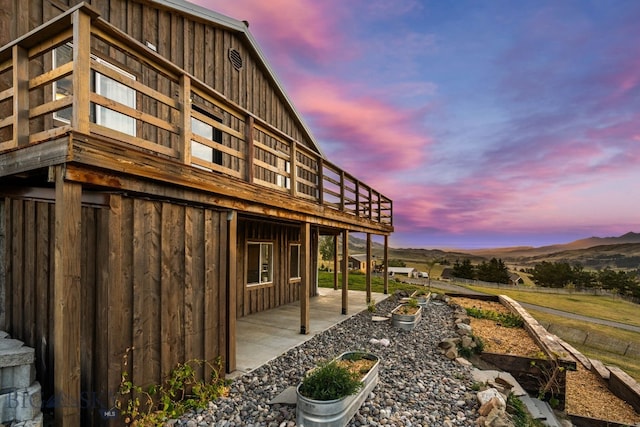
(600, 307)
(357, 282)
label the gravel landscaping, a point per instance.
(417, 385)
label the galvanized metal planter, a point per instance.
(423, 300)
(405, 321)
(338, 412)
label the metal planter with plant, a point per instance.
(330, 394)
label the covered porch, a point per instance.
(264, 336)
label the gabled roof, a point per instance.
(241, 28)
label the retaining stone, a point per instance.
(15, 377)
(16, 357)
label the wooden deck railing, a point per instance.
(172, 114)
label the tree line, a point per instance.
(564, 275)
(494, 271)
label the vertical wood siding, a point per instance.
(201, 48)
(162, 301)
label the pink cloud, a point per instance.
(368, 131)
(302, 27)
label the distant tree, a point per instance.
(430, 264)
(327, 248)
(397, 263)
(464, 269)
(493, 271)
(552, 275)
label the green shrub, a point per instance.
(330, 381)
(508, 320)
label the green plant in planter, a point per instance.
(330, 381)
(413, 303)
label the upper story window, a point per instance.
(102, 85)
(259, 263)
(205, 130)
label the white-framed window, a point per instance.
(102, 85)
(294, 261)
(259, 263)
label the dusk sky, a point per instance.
(488, 123)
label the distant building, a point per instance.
(515, 279)
(447, 273)
(359, 263)
(403, 271)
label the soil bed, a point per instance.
(587, 395)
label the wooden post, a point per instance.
(293, 169)
(66, 294)
(357, 185)
(368, 271)
(232, 232)
(250, 151)
(20, 96)
(305, 273)
(185, 119)
(386, 264)
(81, 71)
(345, 271)
(320, 182)
(342, 204)
(336, 265)
(112, 298)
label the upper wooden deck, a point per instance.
(257, 169)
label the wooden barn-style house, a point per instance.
(156, 184)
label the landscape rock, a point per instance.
(418, 386)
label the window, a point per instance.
(102, 85)
(205, 130)
(259, 263)
(282, 180)
(294, 261)
(62, 87)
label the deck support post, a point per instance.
(368, 270)
(345, 271)
(386, 264)
(336, 265)
(66, 294)
(230, 280)
(305, 272)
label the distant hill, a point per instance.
(621, 252)
(530, 251)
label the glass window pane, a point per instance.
(294, 262)
(253, 263)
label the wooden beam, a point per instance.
(232, 237)
(81, 71)
(345, 271)
(20, 96)
(336, 266)
(368, 271)
(66, 291)
(293, 170)
(249, 135)
(305, 276)
(386, 264)
(185, 119)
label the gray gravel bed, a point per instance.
(417, 385)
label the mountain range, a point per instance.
(592, 252)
